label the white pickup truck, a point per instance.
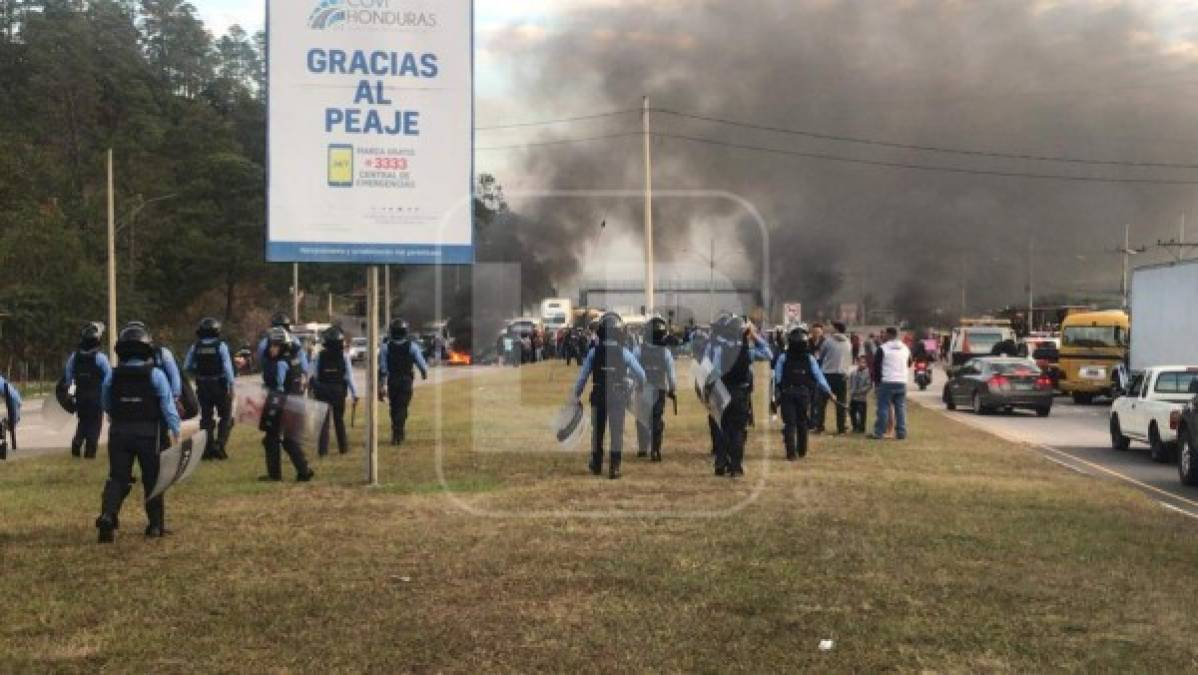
(1151, 409)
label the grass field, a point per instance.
(488, 549)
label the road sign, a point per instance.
(370, 131)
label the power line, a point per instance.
(924, 148)
(563, 141)
(925, 167)
(563, 120)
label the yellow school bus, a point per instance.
(1092, 344)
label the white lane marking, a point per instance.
(1178, 510)
(1067, 465)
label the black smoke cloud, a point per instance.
(1096, 80)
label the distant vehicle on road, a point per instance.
(556, 313)
(975, 338)
(1045, 350)
(357, 349)
(1092, 345)
(1163, 321)
(999, 383)
(1151, 410)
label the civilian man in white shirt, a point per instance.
(891, 363)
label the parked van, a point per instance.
(1092, 344)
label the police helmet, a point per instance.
(334, 338)
(208, 328)
(611, 328)
(280, 320)
(278, 337)
(656, 331)
(797, 335)
(398, 329)
(89, 337)
(134, 342)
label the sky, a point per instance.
(1084, 78)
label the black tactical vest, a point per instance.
(330, 373)
(740, 375)
(796, 372)
(653, 360)
(293, 382)
(88, 376)
(208, 363)
(135, 405)
(399, 359)
(609, 368)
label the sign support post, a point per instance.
(372, 375)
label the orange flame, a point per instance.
(459, 358)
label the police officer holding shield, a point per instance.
(611, 364)
(209, 362)
(87, 368)
(399, 358)
(734, 361)
(139, 402)
(283, 376)
(660, 382)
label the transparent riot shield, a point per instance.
(178, 462)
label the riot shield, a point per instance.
(700, 374)
(718, 398)
(178, 462)
(640, 404)
(54, 415)
(570, 424)
(66, 399)
(291, 415)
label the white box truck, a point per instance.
(1164, 324)
(556, 313)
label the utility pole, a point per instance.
(711, 284)
(1031, 296)
(648, 211)
(295, 293)
(1127, 251)
(387, 296)
(372, 375)
(112, 329)
(330, 307)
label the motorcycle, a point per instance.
(923, 375)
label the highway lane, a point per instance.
(1078, 437)
(36, 438)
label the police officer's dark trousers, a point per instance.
(731, 451)
(123, 448)
(276, 442)
(648, 437)
(214, 404)
(795, 405)
(399, 393)
(87, 431)
(336, 418)
(607, 414)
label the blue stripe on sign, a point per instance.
(369, 254)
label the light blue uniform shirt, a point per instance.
(314, 371)
(634, 367)
(226, 362)
(9, 391)
(417, 358)
(101, 362)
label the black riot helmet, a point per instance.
(134, 342)
(208, 328)
(611, 328)
(398, 330)
(89, 337)
(656, 331)
(280, 320)
(278, 337)
(796, 338)
(334, 339)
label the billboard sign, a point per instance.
(370, 156)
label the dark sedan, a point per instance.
(1000, 383)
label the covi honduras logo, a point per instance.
(380, 13)
(328, 13)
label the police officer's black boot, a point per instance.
(659, 430)
(90, 446)
(222, 437)
(110, 505)
(156, 513)
(274, 469)
(106, 529)
(613, 471)
(788, 439)
(76, 447)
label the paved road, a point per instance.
(37, 438)
(1077, 437)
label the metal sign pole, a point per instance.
(372, 375)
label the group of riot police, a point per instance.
(146, 398)
(645, 376)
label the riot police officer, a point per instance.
(660, 382)
(797, 375)
(611, 364)
(741, 345)
(283, 376)
(332, 380)
(712, 344)
(398, 359)
(87, 368)
(209, 362)
(10, 416)
(139, 402)
(281, 320)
